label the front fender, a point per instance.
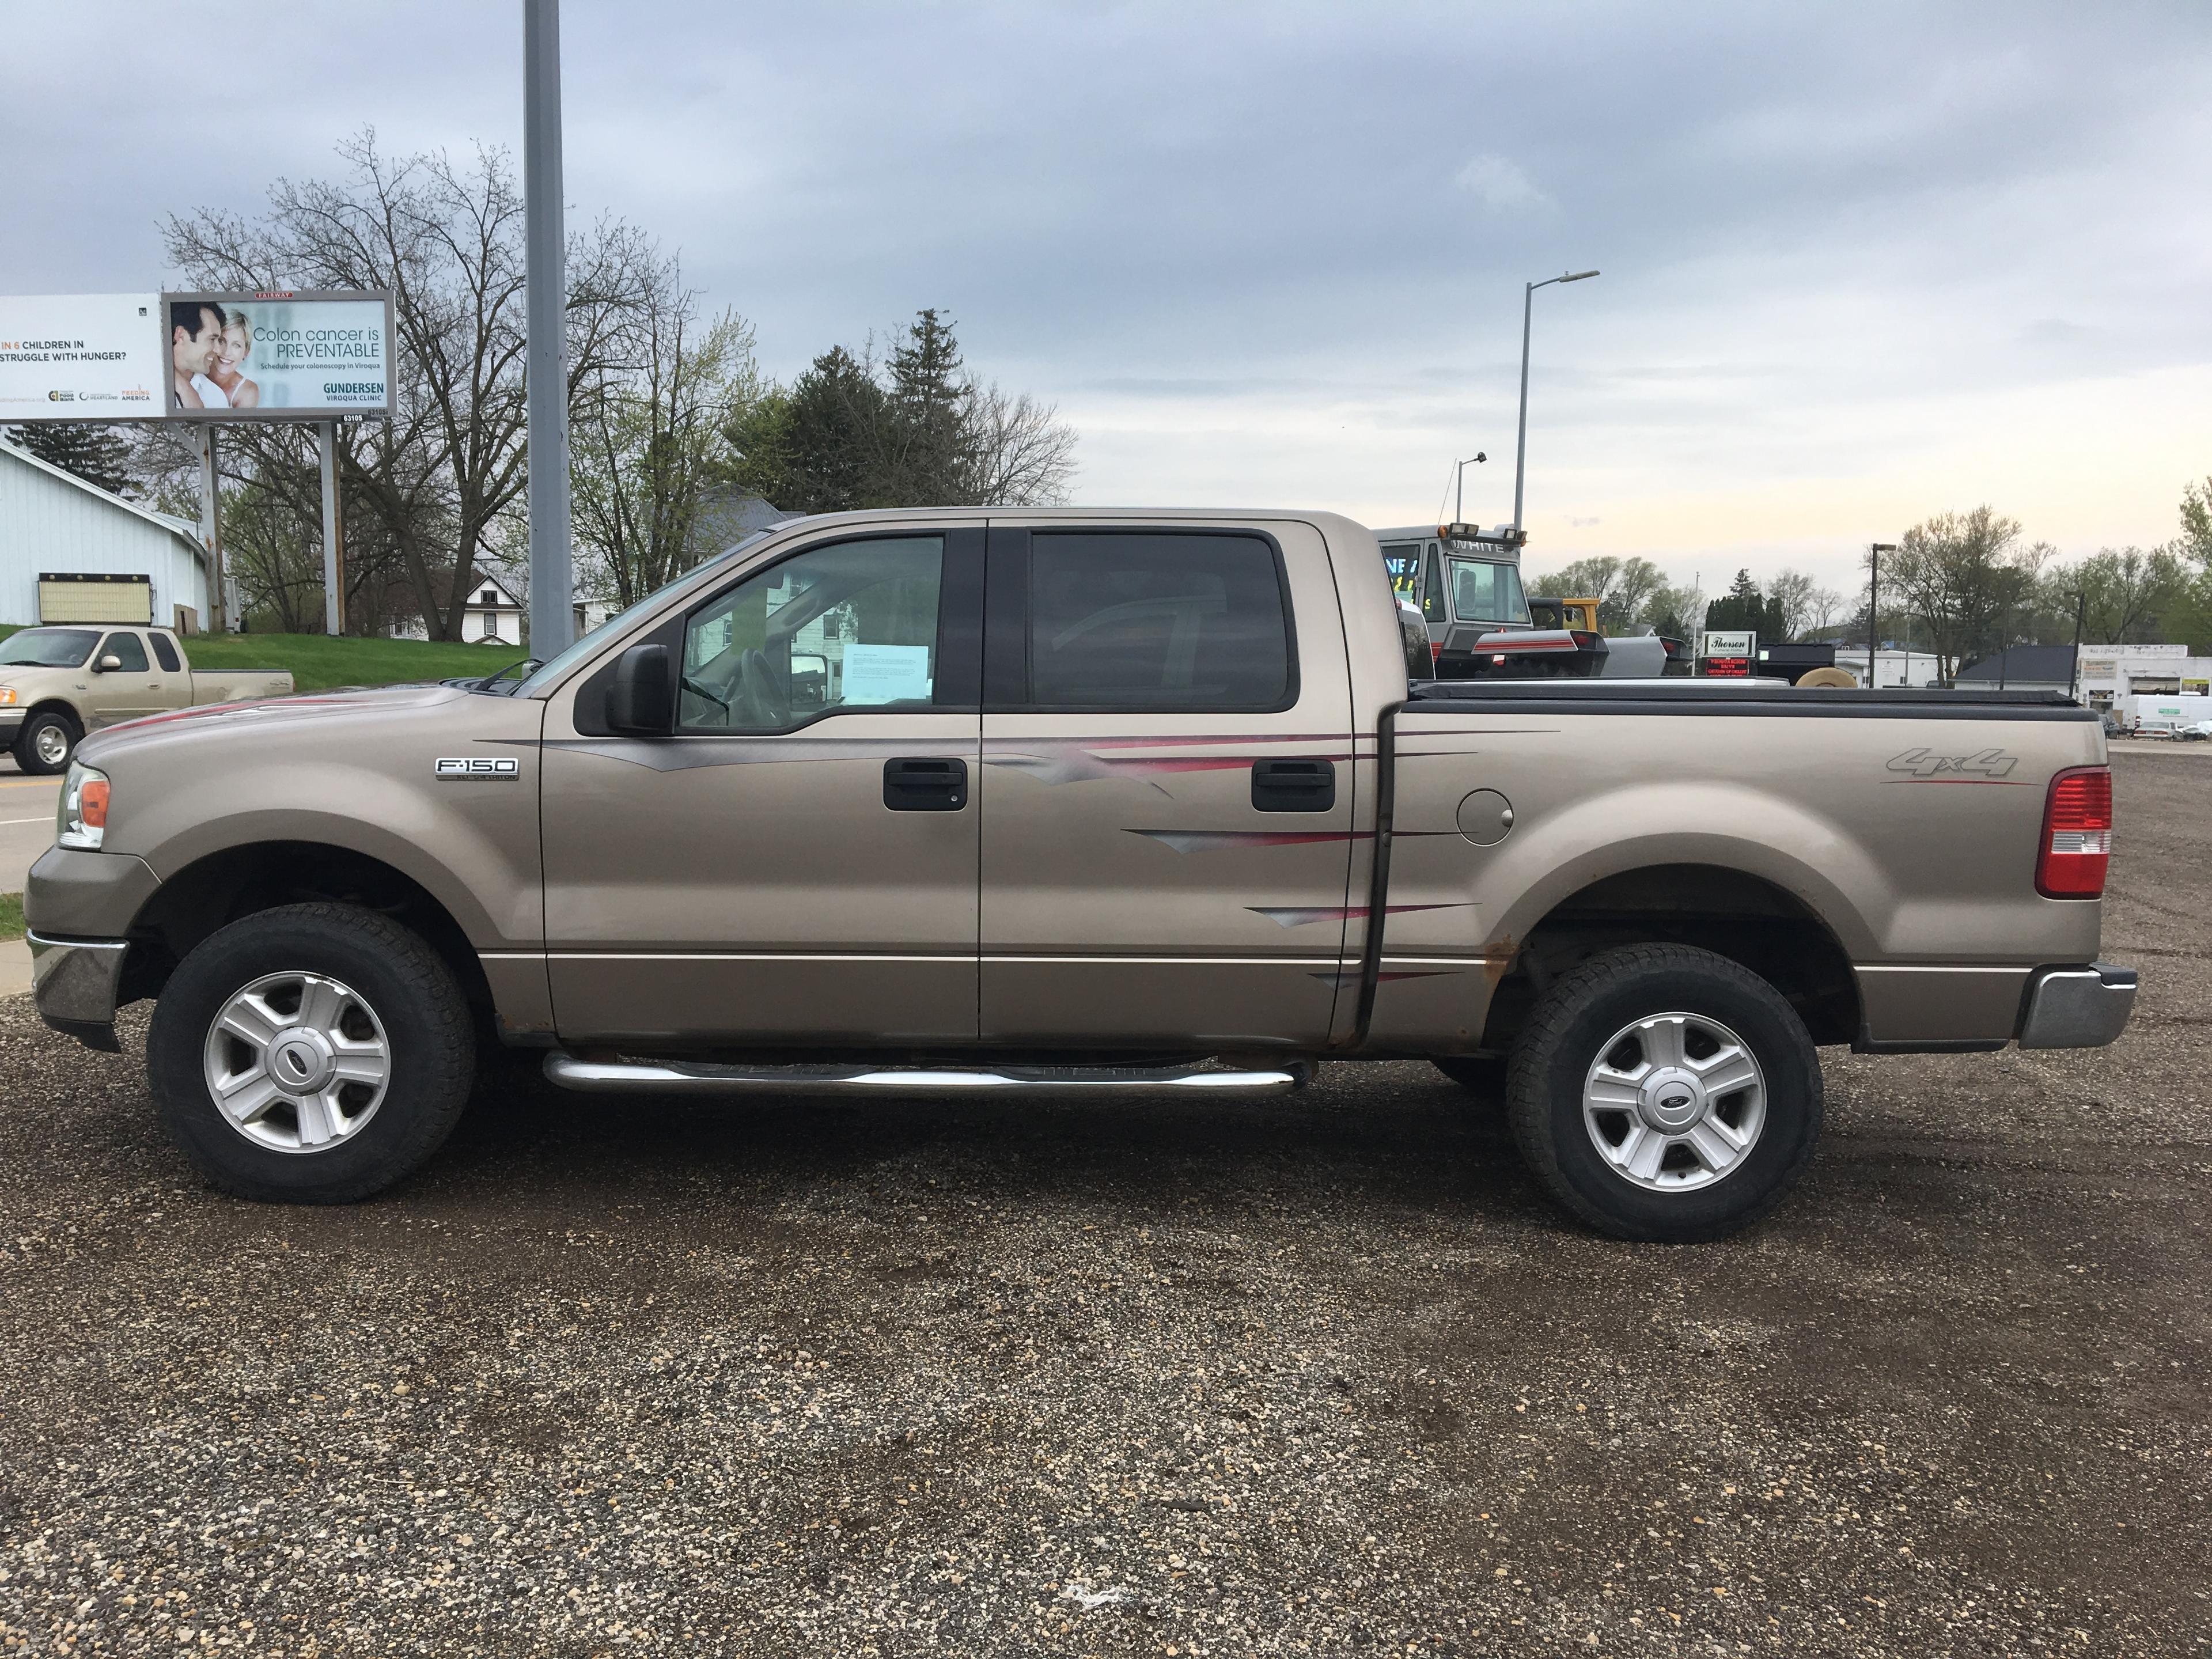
(366, 784)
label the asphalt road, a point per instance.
(26, 822)
(1313, 1375)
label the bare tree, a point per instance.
(1021, 454)
(1964, 575)
(1790, 594)
(649, 438)
(446, 239)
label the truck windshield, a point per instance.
(48, 648)
(1483, 592)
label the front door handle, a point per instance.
(1293, 786)
(924, 785)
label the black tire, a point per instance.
(427, 1027)
(1482, 1076)
(1585, 1009)
(26, 742)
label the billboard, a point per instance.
(81, 357)
(276, 356)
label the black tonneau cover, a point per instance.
(1740, 697)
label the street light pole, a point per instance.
(1521, 433)
(1875, 550)
(552, 570)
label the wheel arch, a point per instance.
(225, 886)
(1750, 919)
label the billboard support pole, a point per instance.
(326, 438)
(552, 573)
(211, 529)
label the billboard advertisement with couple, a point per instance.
(276, 357)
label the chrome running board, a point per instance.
(679, 1077)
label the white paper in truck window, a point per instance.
(885, 673)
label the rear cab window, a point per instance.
(165, 652)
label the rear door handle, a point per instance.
(925, 784)
(1293, 786)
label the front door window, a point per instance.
(850, 626)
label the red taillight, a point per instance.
(2077, 834)
(1436, 650)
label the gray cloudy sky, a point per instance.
(1862, 262)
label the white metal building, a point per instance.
(55, 526)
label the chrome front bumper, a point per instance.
(2076, 1008)
(75, 982)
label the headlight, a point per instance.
(84, 818)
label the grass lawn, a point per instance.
(318, 662)
(11, 915)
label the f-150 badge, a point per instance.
(1990, 763)
(486, 766)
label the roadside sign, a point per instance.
(80, 357)
(1727, 642)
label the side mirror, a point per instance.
(642, 701)
(111, 664)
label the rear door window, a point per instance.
(1157, 621)
(166, 654)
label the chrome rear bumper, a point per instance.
(2076, 1008)
(75, 982)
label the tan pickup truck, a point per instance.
(1078, 802)
(56, 685)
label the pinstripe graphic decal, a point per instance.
(1305, 916)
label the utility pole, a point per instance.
(2081, 611)
(334, 608)
(552, 569)
(211, 529)
(1875, 550)
(1520, 432)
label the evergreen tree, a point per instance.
(1743, 606)
(92, 451)
(928, 459)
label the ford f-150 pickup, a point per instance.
(58, 684)
(1078, 802)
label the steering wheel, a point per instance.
(767, 703)
(699, 690)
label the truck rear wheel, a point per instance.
(45, 745)
(313, 1053)
(1665, 1093)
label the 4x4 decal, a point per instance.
(1989, 763)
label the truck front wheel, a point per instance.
(313, 1053)
(1665, 1093)
(45, 745)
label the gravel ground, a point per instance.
(1318, 1375)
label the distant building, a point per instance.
(1890, 667)
(491, 615)
(2107, 671)
(727, 515)
(70, 551)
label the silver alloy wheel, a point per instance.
(297, 1062)
(53, 743)
(1675, 1102)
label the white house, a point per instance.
(491, 615)
(70, 551)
